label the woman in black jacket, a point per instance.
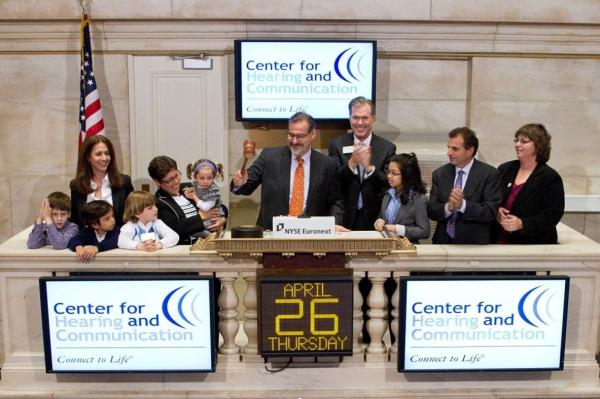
(533, 193)
(178, 212)
(98, 178)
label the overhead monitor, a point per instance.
(276, 78)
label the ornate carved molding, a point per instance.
(394, 38)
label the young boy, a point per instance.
(99, 234)
(52, 226)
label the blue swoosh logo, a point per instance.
(165, 307)
(537, 305)
(336, 65)
(181, 309)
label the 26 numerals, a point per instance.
(313, 316)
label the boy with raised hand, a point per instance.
(52, 226)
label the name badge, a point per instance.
(349, 149)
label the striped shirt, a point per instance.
(186, 206)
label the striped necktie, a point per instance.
(451, 224)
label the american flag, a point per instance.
(90, 110)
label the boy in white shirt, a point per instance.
(143, 230)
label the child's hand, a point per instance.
(40, 217)
(190, 194)
(86, 254)
(147, 246)
(47, 211)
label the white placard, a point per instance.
(294, 227)
(503, 323)
(275, 79)
(95, 324)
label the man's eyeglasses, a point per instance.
(172, 179)
(293, 136)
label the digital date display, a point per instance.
(306, 315)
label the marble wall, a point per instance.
(38, 127)
(532, 11)
(492, 66)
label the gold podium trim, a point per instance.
(351, 247)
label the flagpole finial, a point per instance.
(84, 6)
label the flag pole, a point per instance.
(91, 121)
(84, 6)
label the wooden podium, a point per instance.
(305, 292)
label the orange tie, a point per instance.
(297, 201)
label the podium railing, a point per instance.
(371, 371)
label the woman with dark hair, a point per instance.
(404, 206)
(533, 193)
(175, 209)
(98, 178)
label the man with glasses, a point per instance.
(361, 158)
(175, 209)
(295, 179)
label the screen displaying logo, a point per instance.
(130, 323)
(477, 323)
(275, 79)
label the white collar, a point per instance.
(366, 141)
(467, 167)
(105, 183)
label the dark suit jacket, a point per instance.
(272, 171)
(482, 193)
(540, 203)
(372, 188)
(118, 197)
(413, 215)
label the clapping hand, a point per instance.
(455, 200)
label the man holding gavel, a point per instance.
(296, 180)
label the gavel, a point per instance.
(249, 151)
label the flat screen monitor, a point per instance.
(481, 323)
(276, 78)
(128, 324)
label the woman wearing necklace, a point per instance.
(533, 193)
(98, 178)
